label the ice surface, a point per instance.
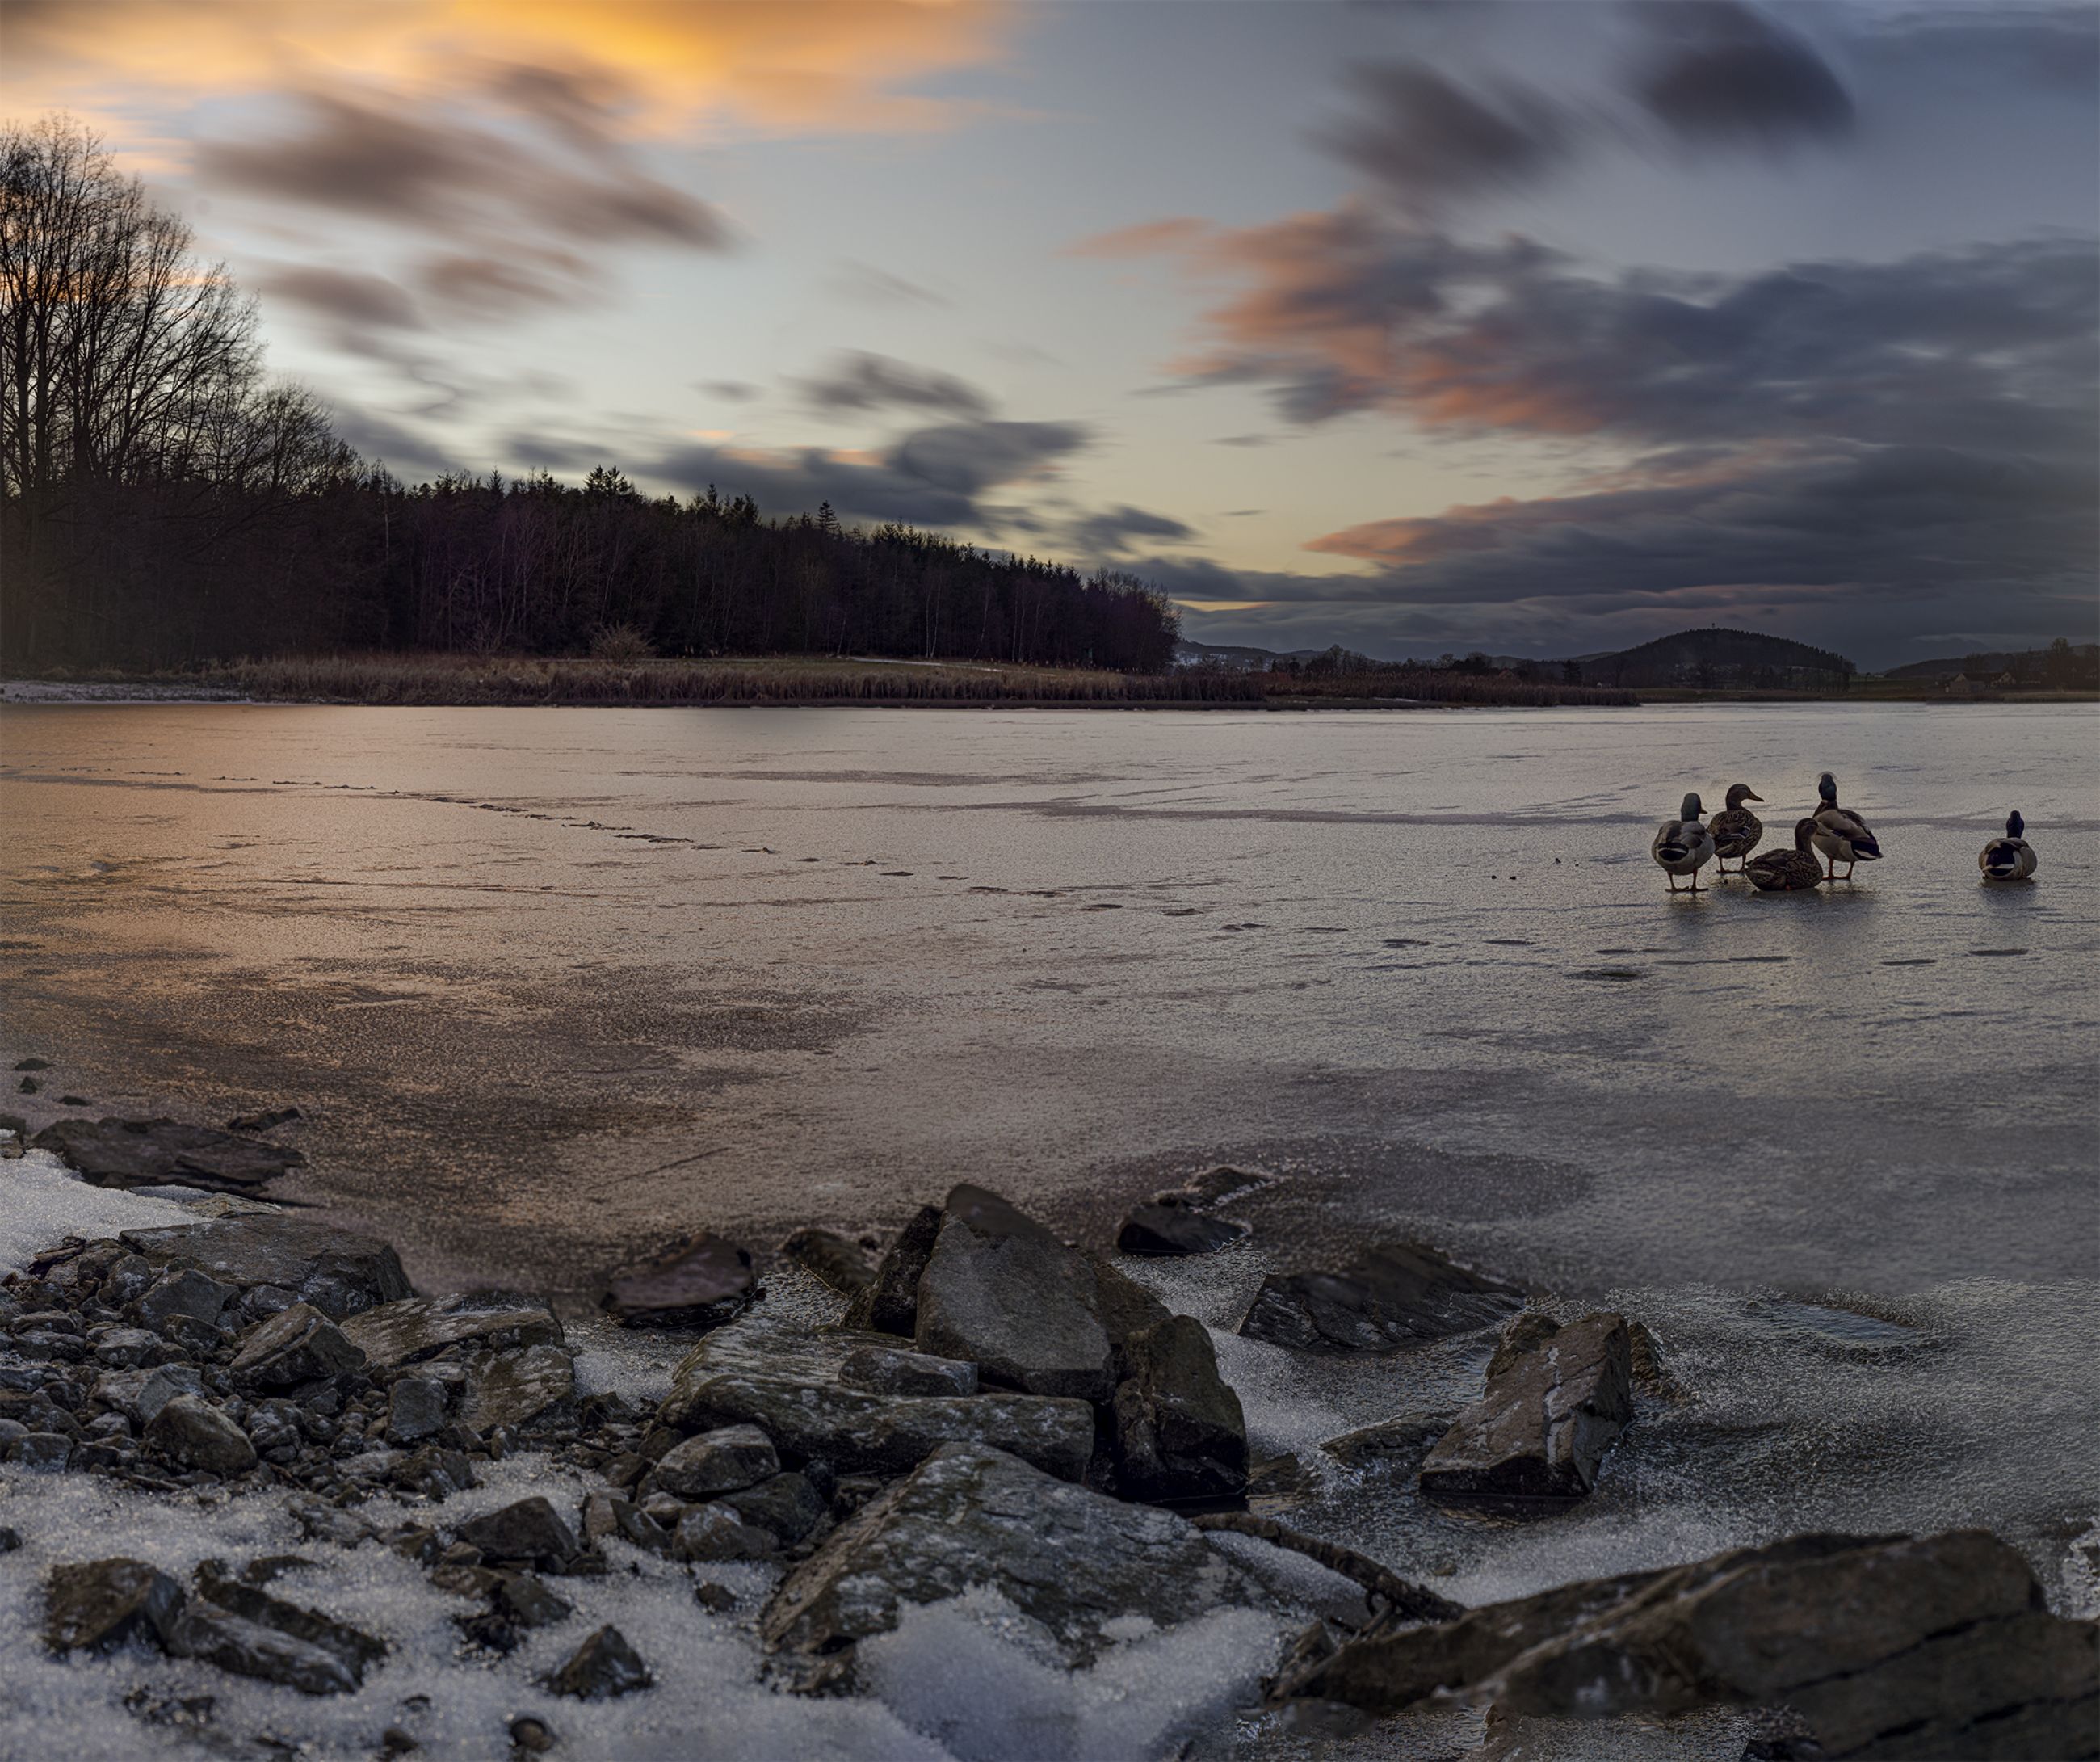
(41, 1201)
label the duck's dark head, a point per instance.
(1690, 809)
(2015, 826)
(1826, 786)
(1804, 830)
(1741, 792)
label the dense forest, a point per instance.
(165, 504)
(2063, 666)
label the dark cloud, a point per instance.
(1109, 531)
(432, 174)
(856, 380)
(1726, 75)
(733, 390)
(365, 302)
(967, 457)
(1423, 137)
(867, 285)
(508, 284)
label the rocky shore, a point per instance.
(964, 1489)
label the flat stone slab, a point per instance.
(111, 1152)
(393, 1335)
(702, 1283)
(1075, 1562)
(338, 1271)
(789, 1380)
(1394, 1295)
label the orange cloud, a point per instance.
(655, 66)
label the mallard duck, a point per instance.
(1682, 846)
(1735, 829)
(1841, 835)
(2011, 857)
(1786, 871)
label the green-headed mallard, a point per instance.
(2011, 857)
(1786, 871)
(1735, 829)
(1841, 835)
(1682, 845)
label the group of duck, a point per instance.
(1688, 844)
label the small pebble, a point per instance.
(531, 1735)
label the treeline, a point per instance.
(1342, 673)
(166, 506)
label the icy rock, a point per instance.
(294, 1346)
(417, 1406)
(1540, 1434)
(530, 1531)
(1400, 1443)
(838, 1260)
(393, 1336)
(190, 1433)
(143, 1153)
(605, 1665)
(606, 1514)
(890, 1303)
(715, 1532)
(1168, 1225)
(126, 1349)
(1395, 1295)
(336, 1271)
(724, 1460)
(1179, 1430)
(788, 1505)
(41, 1452)
(893, 1371)
(159, 1387)
(434, 1471)
(702, 1283)
(243, 1629)
(785, 1379)
(104, 1603)
(518, 1389)
(1077, 1562)
(1524, 1335)
(1128, 1309)
(184, 1291)
(1004, 1293)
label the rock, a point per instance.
(243, 1629)
(41, 1452)
(127, 1348)
(1221, 1185)
(264, 1120)
(10, 1538)
(417, 1406)
(1395, 1295)
(532, 1736)
(1540, 1434)
(1179, 1430)
(1077, 1562)
(1161, 1228)
(891, 1371)
(1396, 1443)
(838, 1260)
(1004, 1293)
(530, 1532)
(434, 1471)
(524, 1599)
(1652, 1376)
(702, 1283)
(1524, 1335)
(715, 1532)
(606, 1514)
(786, 1380)
(337, 1272)
(104, 1603)
(1127, 1308)
(154, 1389)
(788, 1505)
(517, 1389)
(603, 1666)
(890, 1303)
(33, 1064)
(144, 1153)
(721, 1461)
(294, 1346)
(189, 1433)
(396, 1334)
(184, 1291)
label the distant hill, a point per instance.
(1248, 660)
(2029, 666)
(1715, 658)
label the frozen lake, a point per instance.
(554, 984)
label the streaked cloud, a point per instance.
(857, 380)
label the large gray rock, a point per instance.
(143, 1152)
(786, 1378)
(1394, 1295)
(243, 1629)
(1179, 1432)
(1003, 1292)
(890, 1305)
(604, 1666)
(725, 1460)
(838, 1260)
(184, 1291)
(518, 1389)
(294, 1346)
(1075, 1562)
(338, 1272)
(395, 1336)
(1169, 1225)
(1937, 1646)
(702, 1283)
(528, 1532)
(1539, 1435)
(104, 1603)
(190, 1433)
(887, 1370)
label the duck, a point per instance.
(2011, 857)
(1682, 845)
(1841, 835)
(1735, 829)
(1786, 871)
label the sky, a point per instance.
(1416, 325)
